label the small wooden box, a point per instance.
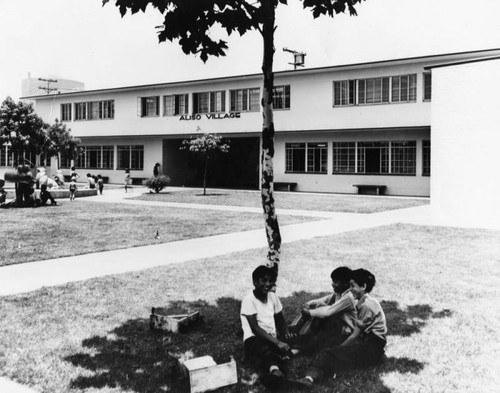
(171, 323)
(205, 374)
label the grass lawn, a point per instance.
(289, 200)
(82, 227)
(439, 288)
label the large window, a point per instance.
(281, 97)
(65, 112)
(131, 157)
(344, 93)
(94, 157)
(344, 157)
(149, 106)
(245, 100)
(373, 90)
(94, 110)
(427, 86)
(404, 88)
(317, 157)
(209, 102)
(373, 157)
(306, 157)
(426, 158)
(403, 157)
(176, 104)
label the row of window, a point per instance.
(102, 157)
(392, 157)
(8, 157)
(401, 88)
(91, 110)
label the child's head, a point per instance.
(340, 279)
(264, 278)
(99, 176)
(72, 168)
(362, 282)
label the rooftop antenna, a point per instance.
(299, 58)
(48, 89)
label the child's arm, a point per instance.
(338, 307)
(314, 303)
(259, 332)
(352, 337)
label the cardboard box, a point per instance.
(205, 374)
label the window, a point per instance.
(281, 97)
(65, 112)
(373, 91)
(94, 110)
(317, 157)
(81, 111)
(245, 100)
(403, 157)
(404, 88)
(131, 157)
(427, 86)
(373, 157)
(93, 157)
(344, 157)
(149, 106)
(426, 158)
(5, 156)
(176, 104)
(209, 102)
(295, 157)
(344, 93)
(298, 154)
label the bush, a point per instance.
(157, 183)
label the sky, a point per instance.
(81, 40)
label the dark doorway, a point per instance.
(239, 168)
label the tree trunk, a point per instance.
(205, 177)
(271, 220)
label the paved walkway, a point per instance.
(31, 276)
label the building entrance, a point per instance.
(239, 168)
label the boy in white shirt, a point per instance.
(264, 327)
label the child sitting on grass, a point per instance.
(328, 321)
(264, 327)
(364, 347)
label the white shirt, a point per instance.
(265, 312)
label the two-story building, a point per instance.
(367, 123)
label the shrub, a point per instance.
(157, 183)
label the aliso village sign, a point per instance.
(212, 116)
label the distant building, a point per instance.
(49, 85)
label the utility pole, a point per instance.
(48, 89)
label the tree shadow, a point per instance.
(134, 358)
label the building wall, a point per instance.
(465, 135)
(416, 185)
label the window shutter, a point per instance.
(139, 106)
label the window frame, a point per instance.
(301, 157)
(427, 89)
(248, 103)
(214, 101)
(144, 109)
(426, 157)
(285, 98)
(138, 149)
(175, 107)
(66, 112)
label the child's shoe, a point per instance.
(302, 383)
(274, 380)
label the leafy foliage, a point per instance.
(60, 141)
(192, 22)
(205, 144)
(157, 183)
(21, 126)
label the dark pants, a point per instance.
(365, 352)
(263, 353)
(46, 195)
(318, 333)
(101, 187)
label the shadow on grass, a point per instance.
(134, 358)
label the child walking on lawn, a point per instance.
(264, 327)
(328, 321)
(72, 189)
(364, 347)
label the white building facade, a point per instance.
(335, 127)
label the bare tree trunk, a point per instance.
(271, 220)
